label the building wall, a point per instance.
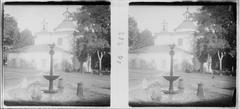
(38, 60)
(160, 61)
(174, 38)
(164, 39)
(43, 38)
(62, 39)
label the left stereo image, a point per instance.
(56, 54)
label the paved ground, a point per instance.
(146, 88)
(18, 87)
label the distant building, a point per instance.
(37, 56)
(157, 56)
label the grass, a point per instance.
(217, 90)
(97, 89)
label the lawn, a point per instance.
(147, 85)
(18, 89)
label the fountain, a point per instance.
(51, 77)
(171, 78)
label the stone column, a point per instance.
(80, 89)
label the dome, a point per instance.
(186, 25)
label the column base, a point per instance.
(171, 92)
(50, 91)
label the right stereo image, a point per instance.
(182, 54)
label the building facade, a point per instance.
(157, 56)
(37, 56)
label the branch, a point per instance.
(218, 55)
(101, 55)
(98, 54)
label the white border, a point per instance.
(119, 67)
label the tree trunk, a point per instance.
(100, 56)
(100, 65)
(209, 63)
(81, 67)
(88, 63)
(221, 65)
(201, 67)
(220, 57)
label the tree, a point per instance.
(216, 33)
(133, 32)
(12, 37)
(10, 31)
(201, 51)
(80, 51)
(145, 39)
(101, 45)
(93, 22)
(26, 38)
(220, 45)
(138, 39)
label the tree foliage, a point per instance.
(26, 38)
(216, 33)
(93, 22)
(13, 37)
(10, 31)
(138, 39)
(133, 32)
(145, 39)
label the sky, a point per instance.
(31, 17)
(151, 17)
(147, 17)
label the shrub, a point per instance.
(67, 67)
(187, 67)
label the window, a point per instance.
(180, 42)
(59, 41)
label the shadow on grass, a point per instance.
(99, 102)
(212, 103)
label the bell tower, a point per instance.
(187, 14)
(67, 15)
(164, 26)
(44, 25)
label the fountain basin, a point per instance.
(51, 77)
(171, 78)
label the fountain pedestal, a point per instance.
(51, 77)
(171, 78)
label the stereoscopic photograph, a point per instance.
(182, 54)
(56, 55)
